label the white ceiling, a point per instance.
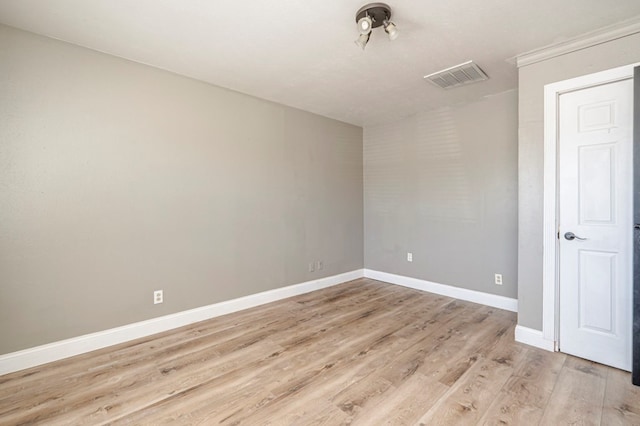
(301, 52)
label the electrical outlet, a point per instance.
(409, 257)
(158, 297)
(312, 266)
(498, 279)
(319, 265)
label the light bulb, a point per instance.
(391, 30)
(362, 40)
(364, 25)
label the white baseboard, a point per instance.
(38, 355)
(493, 300)
(532, 337)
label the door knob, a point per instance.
(571, 236)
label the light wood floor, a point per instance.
(364, 353)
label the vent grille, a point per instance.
(458, 75)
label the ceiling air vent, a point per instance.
(458, 75)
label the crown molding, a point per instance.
(593, 38)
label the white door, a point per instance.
(595, 203)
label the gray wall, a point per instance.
(443, 185)
(117, 179)
(532, 79)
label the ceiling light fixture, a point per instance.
(374, 15)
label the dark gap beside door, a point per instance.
(635, 369)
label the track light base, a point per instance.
(378, 12)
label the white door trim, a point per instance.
(552, 92)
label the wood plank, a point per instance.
(472, 392)
(578, 395)
(621, 400)
(525, 395)
(403, 405)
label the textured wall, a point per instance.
(443, 185)
(117, 179)
(532, 79)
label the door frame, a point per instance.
(550, 261)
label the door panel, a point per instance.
(596, 285)
(595, 203)
(597, 184)
(596, 116)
